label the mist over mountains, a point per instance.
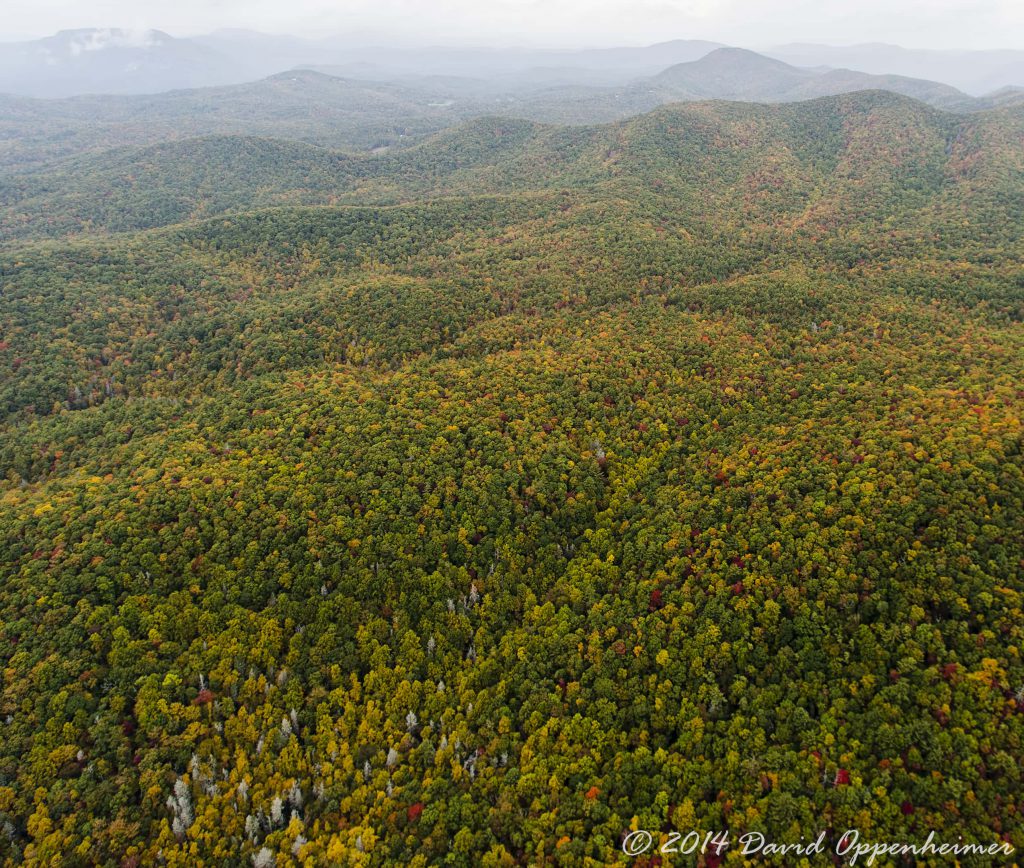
(109, 61)
(75, 62)
(115, 61)
(375, 101)
(975, 72)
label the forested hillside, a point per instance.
(478, 502)
(869, 154)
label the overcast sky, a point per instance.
(570, 23)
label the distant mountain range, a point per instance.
(111, 61)
(358, 116)
(976, 72)
(354, 114)
(738, 74)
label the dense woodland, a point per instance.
(476, 503)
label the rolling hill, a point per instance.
(699, 153)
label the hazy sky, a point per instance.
(755, 23)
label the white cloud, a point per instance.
(97, 40)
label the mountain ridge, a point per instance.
(359, 114)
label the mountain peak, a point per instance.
(304, 75)
(742, 57)
(732, 73)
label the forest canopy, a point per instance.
(477, 503)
